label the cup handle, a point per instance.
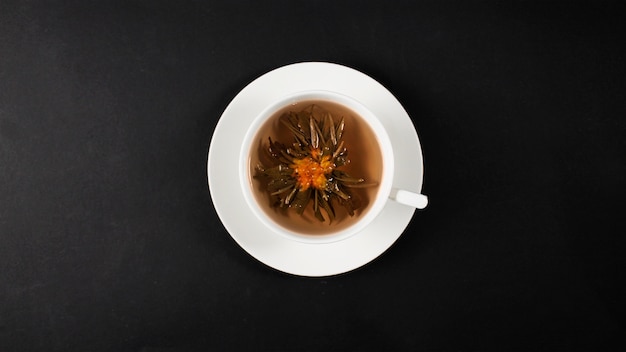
(412, 199)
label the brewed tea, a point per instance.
(316, 166)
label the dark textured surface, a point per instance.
(109, 240)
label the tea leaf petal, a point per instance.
(314, 136)
(291, 195)
(328, 208)
(340, 128)
(301, 201)
(333, 132)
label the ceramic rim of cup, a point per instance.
(384, 188)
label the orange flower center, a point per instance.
(311, 172)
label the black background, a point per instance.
(109, 240)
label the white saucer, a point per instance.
(277, 251)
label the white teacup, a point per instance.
(326, 234)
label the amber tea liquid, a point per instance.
(365, 162)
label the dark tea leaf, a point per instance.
(307, 170)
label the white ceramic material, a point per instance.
(353, 249)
